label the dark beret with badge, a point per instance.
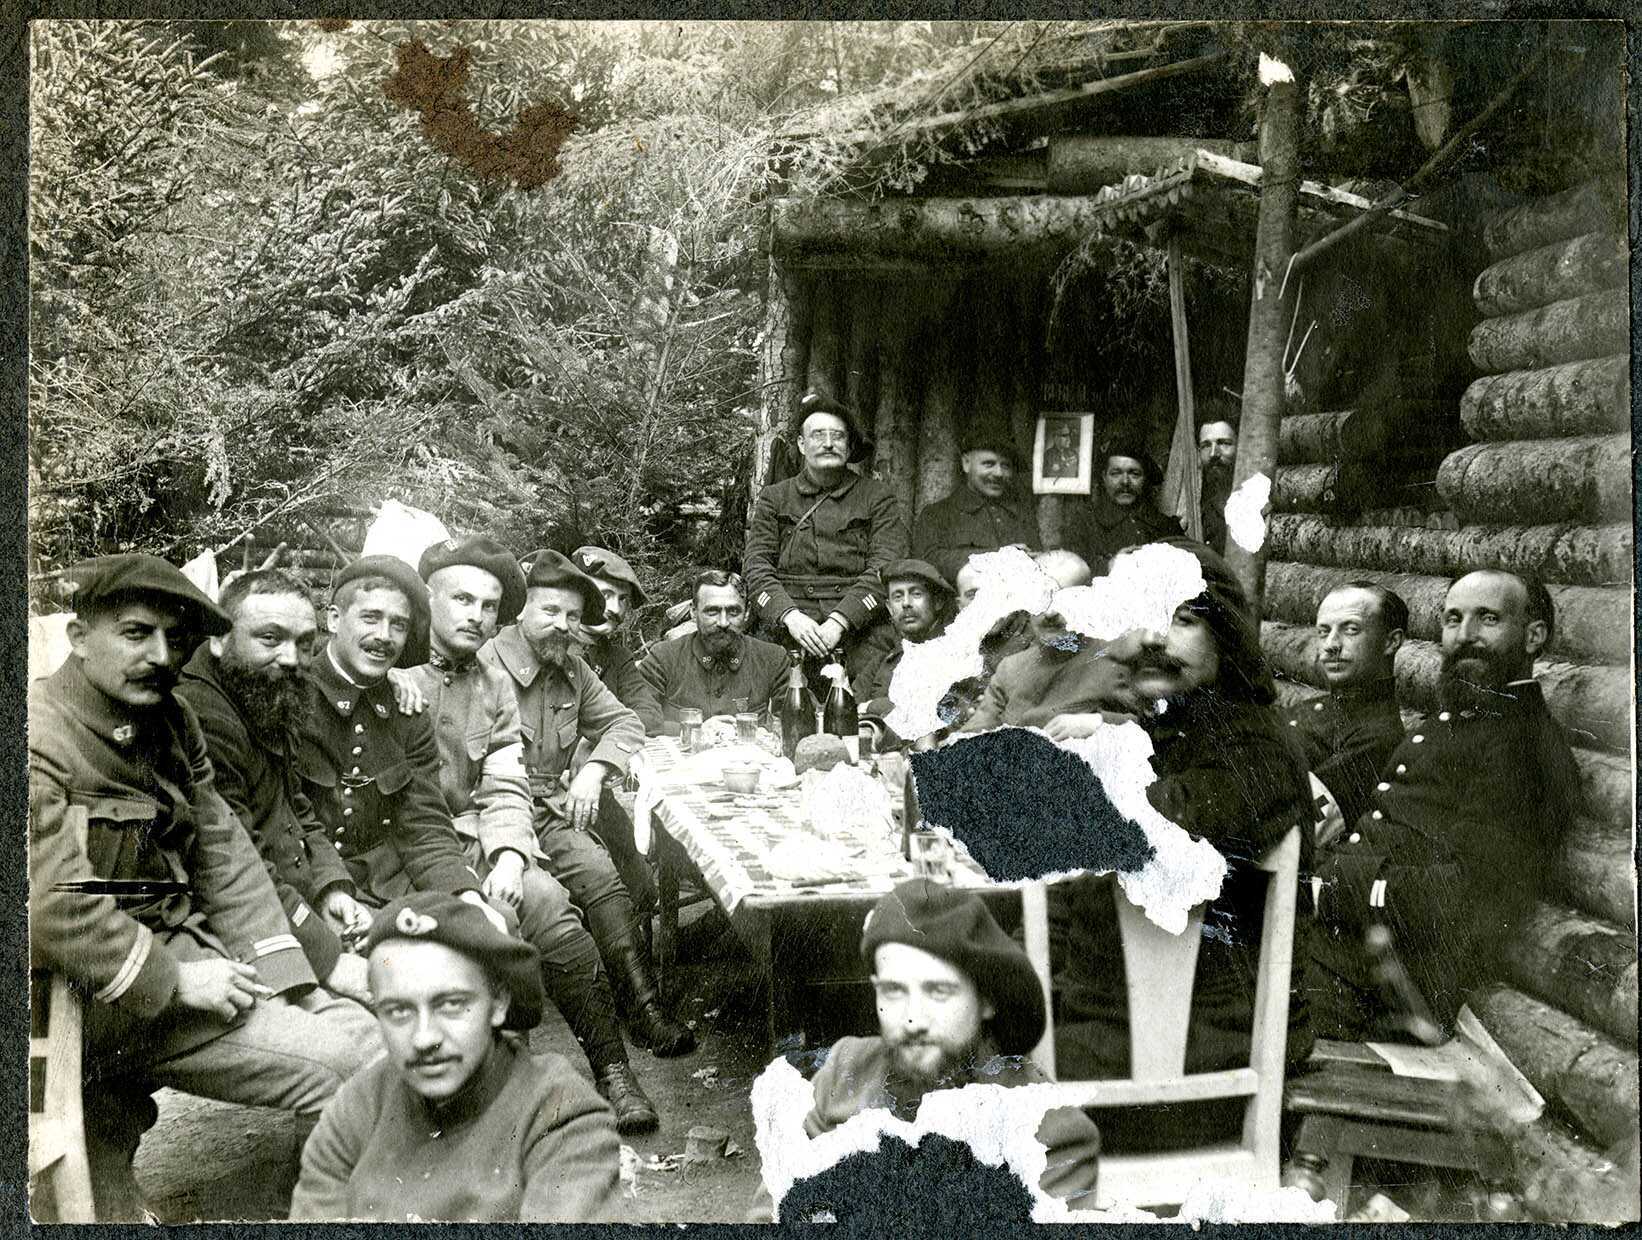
(547, 567)
(597, 562)
(958, 928)
(406, 580)
(106, 579)
(438, 917)
(818, 402)
(915, 570)
(478, 551)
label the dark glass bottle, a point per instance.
(797, 707)
(840, 717)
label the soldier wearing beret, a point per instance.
(561, 704)
(607, 646)
(958, 1003)
(717, 666)
(816, 541)
(472, 581)
(986, 512)
(920, 603)
(163, 916)
(1123, 510)
(458, 1122)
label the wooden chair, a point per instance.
(57, 1141)
(1159, 1021)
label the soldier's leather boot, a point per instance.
(621, 1089)
(611, 926)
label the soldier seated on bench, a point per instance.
(165, 918)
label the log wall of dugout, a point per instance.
(1543, 489)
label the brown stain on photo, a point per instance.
(434, 86)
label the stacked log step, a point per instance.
(1543, 488)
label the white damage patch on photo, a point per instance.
(1246, 513)
(1143, 590)
(1183, 872)
(1000, 1125)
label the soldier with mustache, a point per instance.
(1217, 456)
(920, 601)
(561, 705)
(608, 646)
(1123, 510)
(1228, 772)
(718, 665)
(816, 542)
(1466, 821)
(985, 512)
(163, 916)
(486, 789)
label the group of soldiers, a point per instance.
(410, 816)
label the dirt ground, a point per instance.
(209, 1161)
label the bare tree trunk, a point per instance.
(825, 347)
(1263, 362)
(781, 367)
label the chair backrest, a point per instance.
(56, 1111)
(1160, 969)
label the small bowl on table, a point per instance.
(741, 779)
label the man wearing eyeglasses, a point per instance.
(817, 541)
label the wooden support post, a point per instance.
(1263, 360)
(781, 368)
(826, 347)
(1183, 481)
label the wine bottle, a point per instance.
(797, 707)
(840, 717)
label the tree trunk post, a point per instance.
(1183, 481)
(781, 364)
(1263, 359)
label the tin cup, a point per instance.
(689, 729)
(931, 856)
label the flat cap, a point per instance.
(439, 917)
(915, 570)
(597, 562)
(547, 567)
(402, 575)
(134, 575)
(957, 927)
(819, 402)
(486, 553)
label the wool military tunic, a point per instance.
(526, 1140)
(155, 815)
(818, 550)
(482, 774)
(614, 662)
(1468, 816)
(1347, 738)
(1099, 529)
(373, 776)
(256, 775)
(683, 674)
(558, 707)
(948, 531)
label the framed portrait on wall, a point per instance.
(1062, 452)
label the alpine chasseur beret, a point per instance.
(990, 434)
(134, 575)
(410, 584)
(547, 567)
(439, 917)
(597, 562)
(956, 926)
(486, 553)
(915, 570)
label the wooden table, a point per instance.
(802, 936)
